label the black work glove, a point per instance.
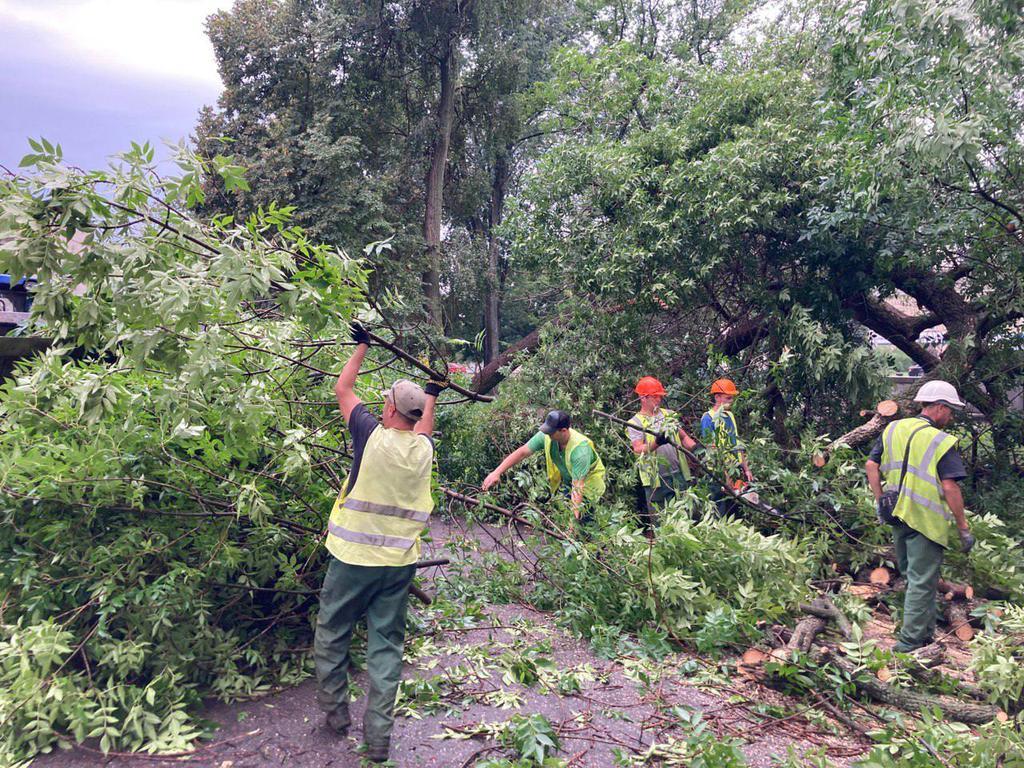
(966, 541)
(662, 439)
(435, 388)
(359, 334)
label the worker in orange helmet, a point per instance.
(718, 430)
(663, 473)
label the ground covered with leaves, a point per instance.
(500, 683)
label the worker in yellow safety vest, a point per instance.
(921, 467)
(661, 470)
(721, 437)
(374, 540)
(574, 468)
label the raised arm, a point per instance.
(425, 426)
(510, 461)
(345, 386)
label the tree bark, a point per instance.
(912, 701)
(885, 412)
(488, 377)
(899, 329)
(495, 276)
(434, 198)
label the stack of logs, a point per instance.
(966, 706)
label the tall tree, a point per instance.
(364, 113)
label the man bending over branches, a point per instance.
(575, 471)
(374, 537)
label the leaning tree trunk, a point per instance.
(434, 199)
(492, 300)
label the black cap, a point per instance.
(555, 420)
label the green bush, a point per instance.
(709, 582)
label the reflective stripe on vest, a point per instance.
(922, 503)
(593, 485)
(648, 464)
(379, 521)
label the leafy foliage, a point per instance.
(532, 737)
(710, 581)
(160, 508)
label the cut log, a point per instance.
(876, 687)
(959, 620)
(882, 415)
(887, 408)
(821, 610)
(923, 665)
(752, 657)
(951, 589)
(909, 700)
(880, 576)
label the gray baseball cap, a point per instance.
(408, 398)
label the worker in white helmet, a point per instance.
(921, 469)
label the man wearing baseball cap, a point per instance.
(374, 539)
(662, 472)
(574, 468)
(921, 468)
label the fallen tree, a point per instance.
(805, 639)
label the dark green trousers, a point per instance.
(919, 559)
(349, 593)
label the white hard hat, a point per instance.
(939, 392)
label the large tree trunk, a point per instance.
(495, 276)
(434, 201)
(488, 377)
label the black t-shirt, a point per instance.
(361, 424)
(950, 466)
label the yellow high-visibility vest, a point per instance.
(922, 503)
(593, 486)
(380, 520)
(648, 464)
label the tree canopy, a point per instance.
(574, 194)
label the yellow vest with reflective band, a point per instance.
(593, 485)
(721, 436)
(380, 520)
(647, 464)
(921, 504)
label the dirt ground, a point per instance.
(465, 680)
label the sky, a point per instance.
(95, 75)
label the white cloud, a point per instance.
(165, 39)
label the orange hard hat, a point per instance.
(649, 385)
(724, 387)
